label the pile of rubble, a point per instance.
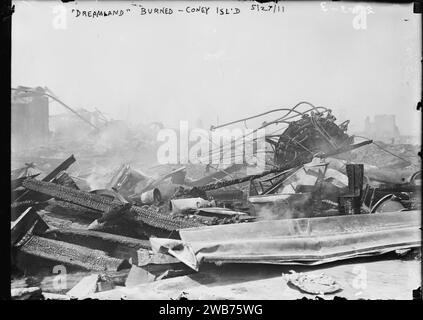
(384, 155)
(140, 227)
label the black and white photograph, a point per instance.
(215, 150)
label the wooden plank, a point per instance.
(24, 223)
(114, 245)
(61, 167)
(71, 254)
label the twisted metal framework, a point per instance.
(312, 134)
(304, 132)
(308, 134)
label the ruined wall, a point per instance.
(383, 128)
(30, 122)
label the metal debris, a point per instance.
(306, 208)
(313, 283)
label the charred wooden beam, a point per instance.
(59, 206)
(160, 220)
(114, 212)
(61, 167)
(17, 208)
(82, 198)
(16, 183)
(145, 215)
(27, 220)
(26, 203)
(65, 180)
(114, 245)
(355, 173)
(71, 254)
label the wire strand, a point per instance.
(380, 147)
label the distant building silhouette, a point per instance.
(30, 118)
(383, 128)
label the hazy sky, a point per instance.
(189, 66)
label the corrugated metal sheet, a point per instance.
(308, 241)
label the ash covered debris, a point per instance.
(115, 218)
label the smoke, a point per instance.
(99, 152)
(269, 212)
(296, 206)
(99, 177)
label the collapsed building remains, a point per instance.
(310, 206)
